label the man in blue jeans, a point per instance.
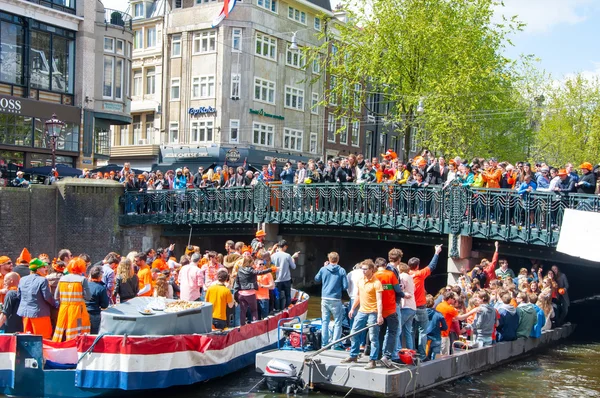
(334, 282)
(370, 312)
(283, 282)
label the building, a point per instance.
(69, 58)
(235, 93)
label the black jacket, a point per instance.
(197, 181)
(127, 290)
(438, 177)
(567, 185)
(246, 278)
(590, 178)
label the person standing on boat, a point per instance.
(127, 283)
(98, 300)
(419, 276)
(9, 319)
(283, 281)
(72, 293)
(221, 298)
(563, 286)
(36, 300)
(191, 280)
(370, 311)
(334, 280)
(245, 286)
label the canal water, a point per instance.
(570, 369)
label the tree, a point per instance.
(444, 55)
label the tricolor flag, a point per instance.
(227, 8)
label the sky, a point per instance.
(563, 34)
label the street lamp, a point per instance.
(53, 129)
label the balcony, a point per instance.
(117, 18)
(67, 6)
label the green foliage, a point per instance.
(447, 54)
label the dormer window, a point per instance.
(138, 10)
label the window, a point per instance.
(270, 5)
(137, 129)
(236, 40)
(297, 15)
(120, 47)
(150, 81)
(175, 89)
(235, 86)
(51, 56)
(262, 134)
(149, 127)
(317, 23)
(344, 131)
(203, 87)
(234, 131)
(316, 65)
(137, 82)
(294, 58)
(357, 95)
(266, 46)
(371, 104)
(292, 139)
(138, 10)
(294, 98)
(264, 90)
(138, 39)
(201, 131)
(119, 73)
(314, 104)
(331, 128)
(312, 145)
(204, 1)
(176, 46)
(355, 138)
(109, 71)
(12, 37)
(205, 42)
(109, 44)
(332, 93)
(368, 144)
(173, 132)
(151, 37)
(177, 3)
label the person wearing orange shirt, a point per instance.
(144, 276)
(265, 285)
(419, 276)
(6, 267)
(162, 255)
(493, 174)
(446, 308)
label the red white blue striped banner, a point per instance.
(8, 353)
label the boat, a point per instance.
(111, 365)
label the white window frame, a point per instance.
(136, 129)
(294, 138)
(357, 95)
(135, 10)
(269, 134)
(236, 83)
(117, 60)
(111, 47)
(138, 82)
(236, 37)
(204, 37)
(173, 127)
(148, 71)
(332, 93)
(205, 82)
(148, 36)
(234, 124)
(294, 98)
(200, 129)
(269, 5)
(316, 65)
(317, 24)
(330, 127)
(314, 103)
(297, 15)
(138, 41)
(175, 83)
(295, 58)
(355, 129)
(112, 77)
(344, 131)
(314, 139)
(175, 39)
(268, 42)
(120, 43)
(267, 85)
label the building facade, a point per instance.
(235, 93)
(54, 57)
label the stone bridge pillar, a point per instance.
(464, 245)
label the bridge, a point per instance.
(491, 214)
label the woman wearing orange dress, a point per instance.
(72, 292)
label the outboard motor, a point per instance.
(282, 377)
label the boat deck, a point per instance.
(327, 373)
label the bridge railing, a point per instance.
(533, 218)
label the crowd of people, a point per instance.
(488, 304)
(64, 297)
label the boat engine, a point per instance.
(283, 378)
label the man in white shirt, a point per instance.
(191, 280)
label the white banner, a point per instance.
(579, 234)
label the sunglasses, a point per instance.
(8, 263)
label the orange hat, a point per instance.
(247, 249)
(452, 162)
(562, 172)
(141, 176)
(44, 257)
(58, 266)
(586, 165)
(260, 233)
(112, 173)
(106, 175)
(4, 259)
(422, 162)
(25, 257)
(390, 155)
(77, 266)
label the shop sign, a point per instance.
(232, 155)
(86, 161)
(113, 107)
(10, 105)
(262, 112)
(186, 155)
(203, 110)
(280, 160)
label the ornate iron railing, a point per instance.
(497, 214)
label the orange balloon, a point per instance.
(561, 291)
